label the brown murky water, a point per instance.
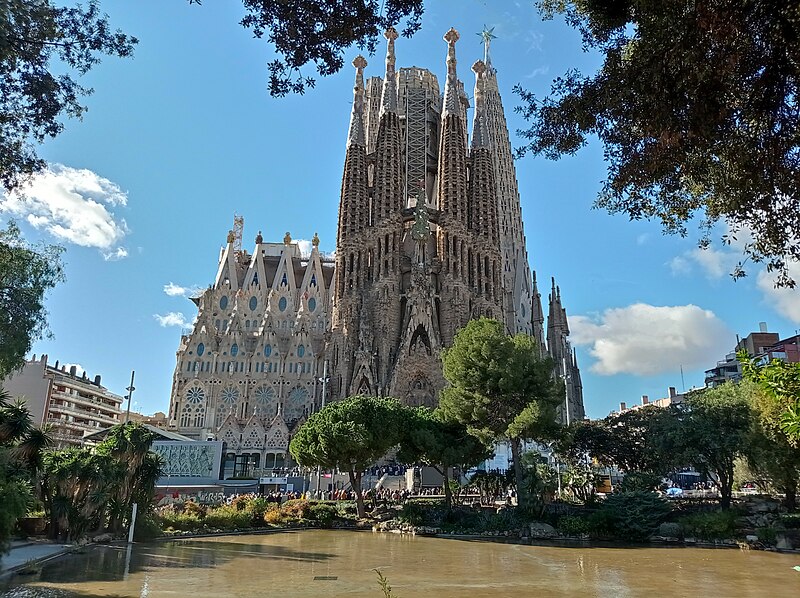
(334, 563)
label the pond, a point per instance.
(341, 563)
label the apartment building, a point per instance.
(71, 402)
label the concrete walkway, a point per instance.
(30, 552)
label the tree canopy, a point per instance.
(696, 105)
(429, 438)
(781, 381)
(351, 435)
(27, 272)
(500, 387)
(627, 440)
(43, 47)
(318, 32)
(709, 430)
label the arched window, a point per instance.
(234, 350)
(253, 303)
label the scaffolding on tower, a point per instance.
(238, 228)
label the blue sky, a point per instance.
(176, 140)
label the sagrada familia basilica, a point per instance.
(430, 235)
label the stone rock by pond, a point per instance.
(542, 530)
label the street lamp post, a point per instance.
(130, 390)
(322, 406)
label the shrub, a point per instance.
(187, 522)
(767, 535)
(148, 526)
(192, 508)
(461, 518)
(791, 521)
(639, 481)
(257, 507)
(323, 513)
(670, 530)
(715, 525)
(227, 518)
(273, 516)
(572, 525)
(411, 513)
(601, 524)
(634, 515)
(347, 509)
(296, 509)
(241, 502)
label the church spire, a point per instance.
(537, 317)
(354, 198)
(388, 197)
(451, 87)
(452, 168)
(356, 133)
(480, 136)
(389, 98)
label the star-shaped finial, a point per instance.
(487, 35)
(359, 62)
(391, 34)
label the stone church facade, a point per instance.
(430, 235)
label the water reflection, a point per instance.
(332, 563)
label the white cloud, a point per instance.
(73, 205)
(173, 318)
(680, 265)
(647, 339)
(785, 301)
(539, 70)
(174, 290)
(304, 246)
(118, 254)
(643, 239)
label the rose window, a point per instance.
(195, 395)
(230, 395)
(296, 403)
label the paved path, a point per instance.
(24, 552)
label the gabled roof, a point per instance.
(159, 432)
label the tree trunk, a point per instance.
(725, 489)
(790, 502)
(355, 483)
(448, 495)
(516, 454)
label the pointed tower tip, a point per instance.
(480, 137)
(356, 134)
(451, 101)
(389, 97)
